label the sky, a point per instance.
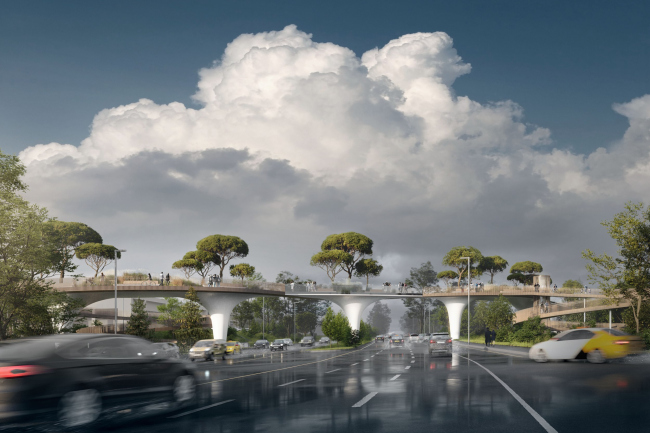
(514, 127)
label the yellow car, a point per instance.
(233, 347)
(597, 345)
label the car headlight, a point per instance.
(206, 350)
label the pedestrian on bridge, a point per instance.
(162, 278)
(167, 278)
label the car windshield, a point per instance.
(230, 343)
(279, 341)
(260, 342)
(205, 343)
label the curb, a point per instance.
(507, 350)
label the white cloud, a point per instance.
(296, 139)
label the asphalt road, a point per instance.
(381, 389)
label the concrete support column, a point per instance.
(455, 307)
(353, 307)
(219, 306)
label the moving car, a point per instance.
(597, 345)
(279, 344)
(324, 340)
(167, 350)
(289, 341)
(208, 350)
(413, 338)
(440, 343)
(379, 338)
(233, 347)
(396, 340)
(261, 344)
(422, 338)
(83, 380)
(307, 341)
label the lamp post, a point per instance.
(115, 251)
(469, 276)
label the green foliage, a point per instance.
(424, 276)
(352, 243)
(66, 237)
(97, 256)
(336, 327)
(573, 284)
(417, 313)
(11, 171)
(170, 313)
(526, 267)
(48, 312)
(353, 338)
(497, 313)
(306, 322)
(447, 277)
(189, 322)
(286, 277)
(453, 259)
(521, 279)
(226, 247)
(242, 270)
(207, 261)
(188, 266)
(367, 332)
(332, 262)
(379, 317)
(243, 314)
(532, 331)
(367, 268)
(493, 265)
(643, 316)
(231, 334)
(138, 323)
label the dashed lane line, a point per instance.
(407, 367)
(200, 409)
(521, 401)
(332, 371)
(412, 362)
(395, 377)
(291, 383)
(365, 400)
(352, 365)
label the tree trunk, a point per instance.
(636, 313)
(491, 277)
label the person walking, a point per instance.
(167, 278)
(493, 337)
(162, 278)
(488, 336)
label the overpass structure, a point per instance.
(220, 301)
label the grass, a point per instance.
(481, 340)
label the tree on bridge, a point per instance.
(573, 284)
(447, 277)
(627, 276)
(67, 237)
(453, 260)
(424, 276)
(493, 265)
(206, 261)
(523, 272)
(367, 268)
(242, 270)
(226, 247)
(332, 262)
(358, 246)
(188, 266)
(97, 256)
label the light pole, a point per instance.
(469, 275)
(262, 317)
(115, 251)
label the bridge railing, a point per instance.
(349, 288)
(511, 290)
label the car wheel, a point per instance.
(184, 389)
(79, 407)
(596, 357)
(541, 356)
(209, 358)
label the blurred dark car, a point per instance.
(167, 350)
(396, 340)
(279, 344)
(261, 344)
(79, 380)
(307, 341)
(379, 338)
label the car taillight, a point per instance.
(21, 371)
(448, 341)
(621, 342)
(430, 341)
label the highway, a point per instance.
(377, 389)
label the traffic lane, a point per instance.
(578, 395)
(431, 392)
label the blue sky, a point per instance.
(565, 63)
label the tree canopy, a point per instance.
(367, 268)
(355, 244)
(226, 247)
(66, 237)
(379, 317)
(97, 256)
(138, 323)
(447, 276)
(206, 259)
(242, 270)
(453, 259)
(424, 276)
(573, 284)
(331, 261)
(188, 266)
(493, 265)
(526, 267)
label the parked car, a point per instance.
(233, 348)
(596, 345)
(279, 344)
(396, 340)
(208, 350)
(289, 341)
(167, 350)
(261, 344)
(324, 340)
(307, 341)
(440, 343)
(84, 380)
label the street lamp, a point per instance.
(115, 251)
(469, 275)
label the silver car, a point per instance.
(440, 344)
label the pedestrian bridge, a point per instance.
(561, 309)
(220, 301)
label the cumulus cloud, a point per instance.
(295, 139)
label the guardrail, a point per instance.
(512, 290)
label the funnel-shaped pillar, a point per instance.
(219, 306)
(455, 307)
(353, 307)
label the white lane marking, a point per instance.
(332, 371)
(412, 362)
(395, 377)
(407, 367)
(521, 401)
(365, 400)
(291, 383)
(372, 356)
(200, 409)
(356, 363)
(367, 359)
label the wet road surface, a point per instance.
(377, 388)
